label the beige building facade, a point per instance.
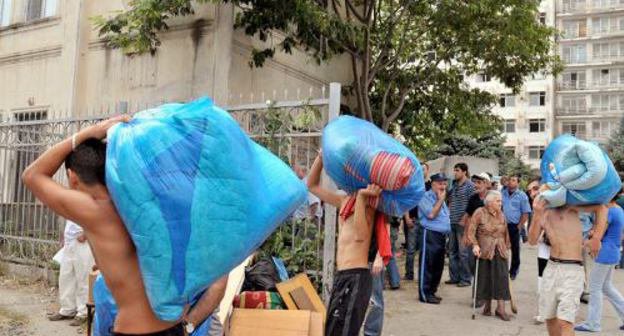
(52, 61)
(590, 91)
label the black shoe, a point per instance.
(437, 297)
(463, 284)
(430, 300)
(408, 278)
(451, 282)
(585, 298)
(513, 276)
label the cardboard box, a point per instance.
(262, 322)
(299, 294)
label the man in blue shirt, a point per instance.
(434, 218)
(517, 209)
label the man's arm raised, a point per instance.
(37, 177)
(314, 184)
(535, 229)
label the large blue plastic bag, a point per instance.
(105, 309)
(577, 172)
(106, 312)
(196, 195)
(356, 153)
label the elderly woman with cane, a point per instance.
(490, 240)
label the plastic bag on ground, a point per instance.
(577, 172)
(357, 153)
(196, 195)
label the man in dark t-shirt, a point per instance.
(482, 186)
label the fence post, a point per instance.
(329, 243)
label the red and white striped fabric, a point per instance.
(391, 171)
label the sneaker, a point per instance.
(583, 327)
(60, 317)
(585, 298)
(538, 319)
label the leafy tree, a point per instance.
(408, 57)
(615, 148)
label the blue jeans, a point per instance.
(600, 284)
(374, 319)
(393, 269)
(459, 256)
(410, 255)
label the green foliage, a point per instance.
(299, 243)
(513, 165)
(615, 148)
(407, 57)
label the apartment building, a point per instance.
(590, 92)
(528, 117)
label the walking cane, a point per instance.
(474, 290)
(514, 309)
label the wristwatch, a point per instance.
(189, 327)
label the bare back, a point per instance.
(116, 258)
(352, 251)
(565, 233)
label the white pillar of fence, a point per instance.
(329, 243)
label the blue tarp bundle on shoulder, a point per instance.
(357, 153)
(196, 195)
(578, 173)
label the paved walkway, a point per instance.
(23, 310)
(405, 316)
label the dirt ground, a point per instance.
(23, 308)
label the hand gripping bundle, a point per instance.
(357, 153)
(577, 172)
(196, 195)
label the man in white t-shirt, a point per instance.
(76, 263)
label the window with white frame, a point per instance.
(542, 18)
(38, 9)
(575, 28)
(509, 126)
(576, 128)
(602, 129)
(536, 152)
(5, 12)
(606, 77)
(607, 102)
(600, 25)
(537, 125)
(507, 100)
(574, 104)
(576, 53)
(537, 98)
(573, 80)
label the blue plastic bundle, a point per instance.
(105, 309)
(357, 153)
(196, 195)
(106, 312)
(577, 172)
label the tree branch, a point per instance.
(357, 15)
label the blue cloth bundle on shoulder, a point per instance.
(577, 172)
(357, 153)
(197, 196)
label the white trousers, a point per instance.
(74, 279)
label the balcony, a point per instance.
(574, 7)
(606, 110)
(572, 85)
(606, 5)
(571, 111)
(607, 84)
